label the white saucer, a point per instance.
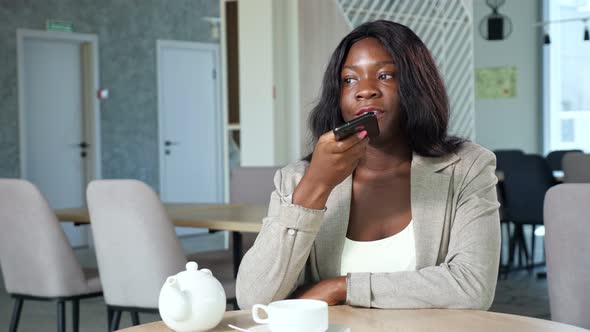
(331, 328)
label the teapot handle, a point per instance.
(255, 316)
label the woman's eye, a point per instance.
(348, 80)
(385, 76)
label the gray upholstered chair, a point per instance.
(567, 230)
(576, 168)
(136, 246)
(37, 260)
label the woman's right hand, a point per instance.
(332, 162)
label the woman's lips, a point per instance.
(378, 113)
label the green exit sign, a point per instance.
(57, 25)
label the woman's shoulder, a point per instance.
(469, 151)
(474, 160)
(465, 155)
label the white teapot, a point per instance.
(192, 301)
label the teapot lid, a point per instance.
(193, 267)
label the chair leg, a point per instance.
(512, 244)
(75, 315)
(501, 243)
(116, 320)
(233, 301)
(504, 266)
(109, 318)
(134, 318)
(237, 251)
(523, 256)
(18, 307)
(509, 240)
(533, 246)
(61, 316)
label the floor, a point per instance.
(521, 294)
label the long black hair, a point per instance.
(423, 99)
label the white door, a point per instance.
(54, 120)
(52, 123)
(191, 164)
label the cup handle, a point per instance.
(255, 316)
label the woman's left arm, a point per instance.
(467, 277)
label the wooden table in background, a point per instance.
(235, 218)
(380, 320)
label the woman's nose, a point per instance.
(367, 89)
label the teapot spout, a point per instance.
(173, 302)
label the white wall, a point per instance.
(255, 26)
(513, 122)
(286, 79)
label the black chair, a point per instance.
(504, 158)
(505, 155)
(554, 158)
(526, 180)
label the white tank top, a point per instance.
(391, 254)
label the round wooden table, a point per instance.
(379, 320)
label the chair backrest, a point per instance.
(35, 255)
(506, 157)
(252, 185)
(567, 230)
(136, 245)
(555, 158)
(576, 168)
(526, 180)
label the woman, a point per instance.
(408, 219)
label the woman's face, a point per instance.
(369, 83)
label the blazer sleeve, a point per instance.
(271, 269)
(466, 279)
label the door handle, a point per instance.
(82, 145)
(169, 143)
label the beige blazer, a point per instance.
(457, 237)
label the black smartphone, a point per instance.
(367, 121)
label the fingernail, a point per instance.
(362, 134)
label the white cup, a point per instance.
(293, 315)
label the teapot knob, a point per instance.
(192, 266)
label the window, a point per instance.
(567, 76)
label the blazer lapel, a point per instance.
(430, 188)
(428, 210)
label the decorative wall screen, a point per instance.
(446, 27)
